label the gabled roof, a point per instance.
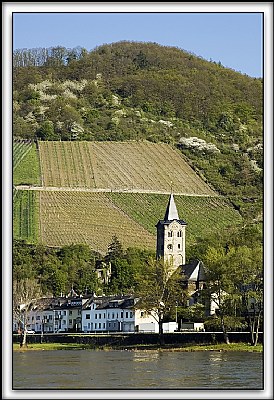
(194, 271)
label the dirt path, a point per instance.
(96, 190)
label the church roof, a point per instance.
(194, 271)
(171, 211)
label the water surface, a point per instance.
(121, 369)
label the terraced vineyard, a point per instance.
(83, 217)
(86, 196)
(26, 168)
(119, 165)
(91, 218)
(204, 215)
(26, 215)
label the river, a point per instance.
(122, 369)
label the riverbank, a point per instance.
(220, 347)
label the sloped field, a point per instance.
(118, 165)
(25, 215)
(91, 218)
(20, 150)
(203, 215)
(26, 169)
(68, 217)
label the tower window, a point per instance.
(179, 246)
(169, 234)
(179, 234)
(169, 246)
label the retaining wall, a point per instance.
(176, 339)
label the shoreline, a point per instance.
(245, 347)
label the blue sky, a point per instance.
(233, 38)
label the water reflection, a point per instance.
(146, 356)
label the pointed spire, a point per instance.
(171, 211)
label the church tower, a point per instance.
(171, 236)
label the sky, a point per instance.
(235, 39)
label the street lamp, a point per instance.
(176, 305)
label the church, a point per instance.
(171, 247)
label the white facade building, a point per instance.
(116, 314)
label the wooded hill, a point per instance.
(132, 91)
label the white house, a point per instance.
(116, 314)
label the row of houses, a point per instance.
(87, 314)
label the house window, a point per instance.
(252, 306)
(50, 316)
(70, 321)
(109, 324)
(169, 234)
(112, 315)
(95, 325)
(117, 315)
(126, 314)
(70, 312)
(99, 316)
(104, 325)
(38, 318)
(64, 312)
(122, 314)
(108, 316)
(142, 313)
(179, 246)
(87, 316)
(179, 234)
(104, 315)
(169, 246)
(131, 314)
(95, 316)
(99, 325)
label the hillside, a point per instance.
(92, 191)
(127, 165)
(133, 119)
(144, 91)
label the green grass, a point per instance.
(27, 169)
(187, 348)
(25, 215)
